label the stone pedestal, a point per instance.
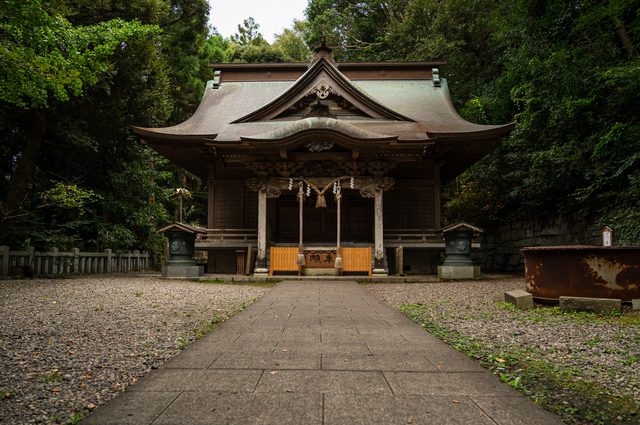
(318, 271)
(459, 272)
(261, 271)
(182, 271)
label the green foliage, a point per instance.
(248, 33)
(567, 72)
(41, 52)
(292, 44)
(69, 196)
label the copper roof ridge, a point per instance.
(399, 64)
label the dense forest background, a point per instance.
(77, 74)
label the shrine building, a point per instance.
(301, 157)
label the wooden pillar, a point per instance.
(4, 260)
(378, 234)
(211, 198)
(261, 269)
(399, 261)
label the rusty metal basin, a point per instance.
(583, 271)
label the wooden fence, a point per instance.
(284, 259)
(356, 259)
(54, 262)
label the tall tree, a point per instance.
(291, 42)
(571, 74)
(247, 33)
(44, 57)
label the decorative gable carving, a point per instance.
(322, 81)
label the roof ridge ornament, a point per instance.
(216, 79)
(323, 51)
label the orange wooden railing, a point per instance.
(356, 259)
(283, 259)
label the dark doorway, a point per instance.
(320, 223)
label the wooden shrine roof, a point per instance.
(253, 107)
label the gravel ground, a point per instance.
(596, 359)
(68, 346)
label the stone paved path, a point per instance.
(320, 353)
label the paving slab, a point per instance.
(323, 382)
(214, 408)
(320, 352)
(356, 409)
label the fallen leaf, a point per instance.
(274, 372)
(456, 401)
(500, 360)
(285, 350)
(275, 316)
(289, 391)
(55, 390)
(409, 421)
(369, 354)
(213, 410)
(91, 406)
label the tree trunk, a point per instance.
(35, 130)
(626, 40)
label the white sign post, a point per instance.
(607, 236)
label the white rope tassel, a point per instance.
(338, 264)
(300, 261)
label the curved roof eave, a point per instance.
(319, 123)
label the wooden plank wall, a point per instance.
(283, 259)
(356, 259)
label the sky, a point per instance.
(272, 16)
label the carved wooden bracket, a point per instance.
(380, 168)
(385, 183)
(267, 168)
(273, 193)
(256, 184)
(368, 192)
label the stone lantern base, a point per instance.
(182, 239)
(182, 271)
(458, 264)
(459, 272)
